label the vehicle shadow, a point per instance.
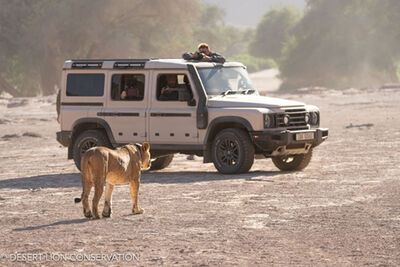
(70, 180)
(196, 177)
(31, 228)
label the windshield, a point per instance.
(220, 80)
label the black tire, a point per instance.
(292, 162)
(86, 140)
(161, 162)
(232, 151)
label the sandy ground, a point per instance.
(344, 209)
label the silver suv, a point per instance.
(211, 110)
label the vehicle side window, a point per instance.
(170, 86)
(85, 84)
(127, 87)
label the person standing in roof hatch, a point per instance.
(204, 54)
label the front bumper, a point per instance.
(64, 137)
(277, 143)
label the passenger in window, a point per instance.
(171, 90)
(123, 95)
(133, 90)
(204, 54)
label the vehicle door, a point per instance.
(173, 121)
(125, 110)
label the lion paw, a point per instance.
(106, 213)
(88, 214)
(138, 211)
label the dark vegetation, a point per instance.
(337, 43)
(36, 37)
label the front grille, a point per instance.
(296, 119)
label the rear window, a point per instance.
(85, 84)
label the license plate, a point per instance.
(304, 136)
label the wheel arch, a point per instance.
(85, 124)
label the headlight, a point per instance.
(268, 120)
(314, 118)
(286, 120)
(307, 118)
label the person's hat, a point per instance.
(202, 45)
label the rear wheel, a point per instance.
(86, 140)
(161, 162)
(232, 151)
(292, 162)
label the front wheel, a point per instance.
(292, 162)
(232, 151)
(86, 140)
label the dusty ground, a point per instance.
(344, 209)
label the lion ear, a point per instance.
(145, 146)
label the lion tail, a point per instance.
(84, 167)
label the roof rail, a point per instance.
(111, 59)
(130, 64)
(87, 65)
(117, 63)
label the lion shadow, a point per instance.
(65, 222)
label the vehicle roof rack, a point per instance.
(130, 64)
(112, 59)
(118, 63)
(87, 64)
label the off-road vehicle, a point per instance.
(214, 112)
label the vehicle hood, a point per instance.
(250, 101)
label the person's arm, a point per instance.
(215, 57)
(174, 89)
(188, 56)
(168, 90)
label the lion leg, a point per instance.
(85, 199)
(98, 192)
(134, 190)
(107, 203)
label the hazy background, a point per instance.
(248, 13)
(341, 43)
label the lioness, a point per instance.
(120, 166)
